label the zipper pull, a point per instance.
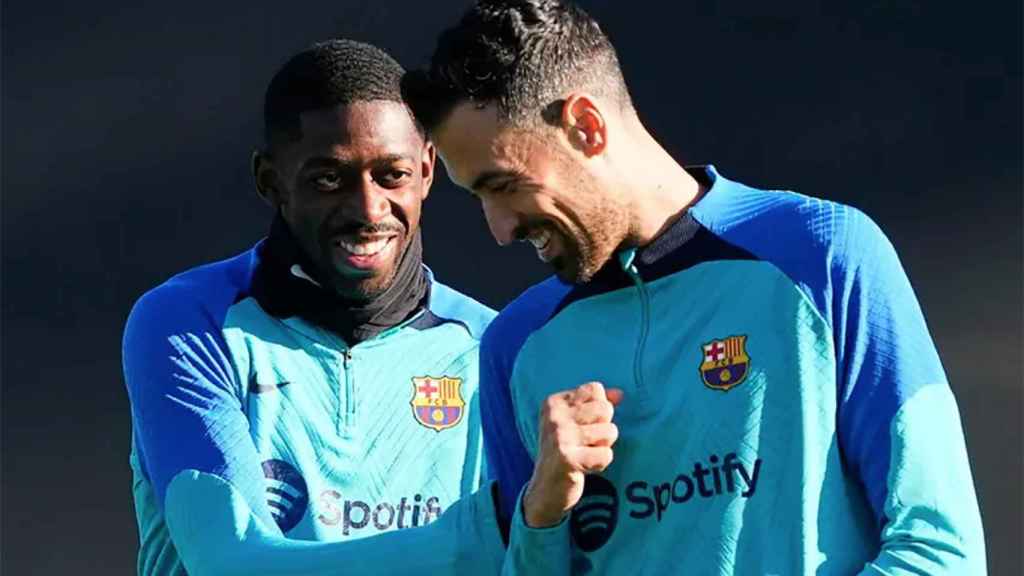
(626, 260)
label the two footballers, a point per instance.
(746, 337)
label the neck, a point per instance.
(284, 293)
(660, 189)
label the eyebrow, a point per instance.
(332, 162)
(490, 178)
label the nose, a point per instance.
(501, 221)
(370, 202)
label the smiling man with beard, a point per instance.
(779, 406)
(295, 407)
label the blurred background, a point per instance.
(127, 129)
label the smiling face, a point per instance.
(534, 186)
(351, 191)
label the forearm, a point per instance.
(216, 534)
(932, 525)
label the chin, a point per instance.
(365, 288)
(569, 272)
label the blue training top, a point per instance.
(785, 410)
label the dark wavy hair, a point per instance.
(522, 55)
(328, 74)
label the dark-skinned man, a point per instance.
(310, 406)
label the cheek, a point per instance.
(304, 219)
(409, 205)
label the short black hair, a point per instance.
(522, 55)
(327, 74)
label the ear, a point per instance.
(584, 124)
(427, 165)
(267, 179)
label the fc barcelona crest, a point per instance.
(437, 402)
(725, 363)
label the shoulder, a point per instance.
(451, 305)
(817, 243)
(771, 222)
(195, 300)
(524, 315)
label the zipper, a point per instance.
(626, 258)
(348, 407)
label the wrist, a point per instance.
(535, 513)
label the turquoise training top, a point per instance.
(258, 438)
(785, 409)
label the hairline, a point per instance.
(278, 137)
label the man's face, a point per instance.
(533, 186)
(352, 191)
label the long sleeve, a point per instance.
(530, 551)
(899, 427)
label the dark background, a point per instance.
(126, 138)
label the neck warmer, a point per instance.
(287, 284)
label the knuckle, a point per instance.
(551, 403)
(564, 437)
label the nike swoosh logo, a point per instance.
(257, 388)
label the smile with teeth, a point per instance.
(364, 246)
(541, 240)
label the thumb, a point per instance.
(614, 395)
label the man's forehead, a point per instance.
(473, 139)
(376, 124)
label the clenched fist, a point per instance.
(576, 437)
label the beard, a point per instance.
(367, 286)
(591, 239)
(590, 246)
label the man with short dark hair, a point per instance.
(321, 386)
(779, 406)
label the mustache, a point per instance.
(362, 229)
(523, 231)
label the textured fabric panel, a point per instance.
(508, 460)
(848, 268)
(180, 377)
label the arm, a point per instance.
(208, 480)
(575, 437)
(899, 428)
(530, 551)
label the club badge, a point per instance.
(726, 363)
(437, 403)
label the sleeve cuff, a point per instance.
(537, 550)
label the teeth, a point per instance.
(540, 239)
(364, 248)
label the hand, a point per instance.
(576, 437)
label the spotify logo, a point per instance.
(594, 517)
(287, 495)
